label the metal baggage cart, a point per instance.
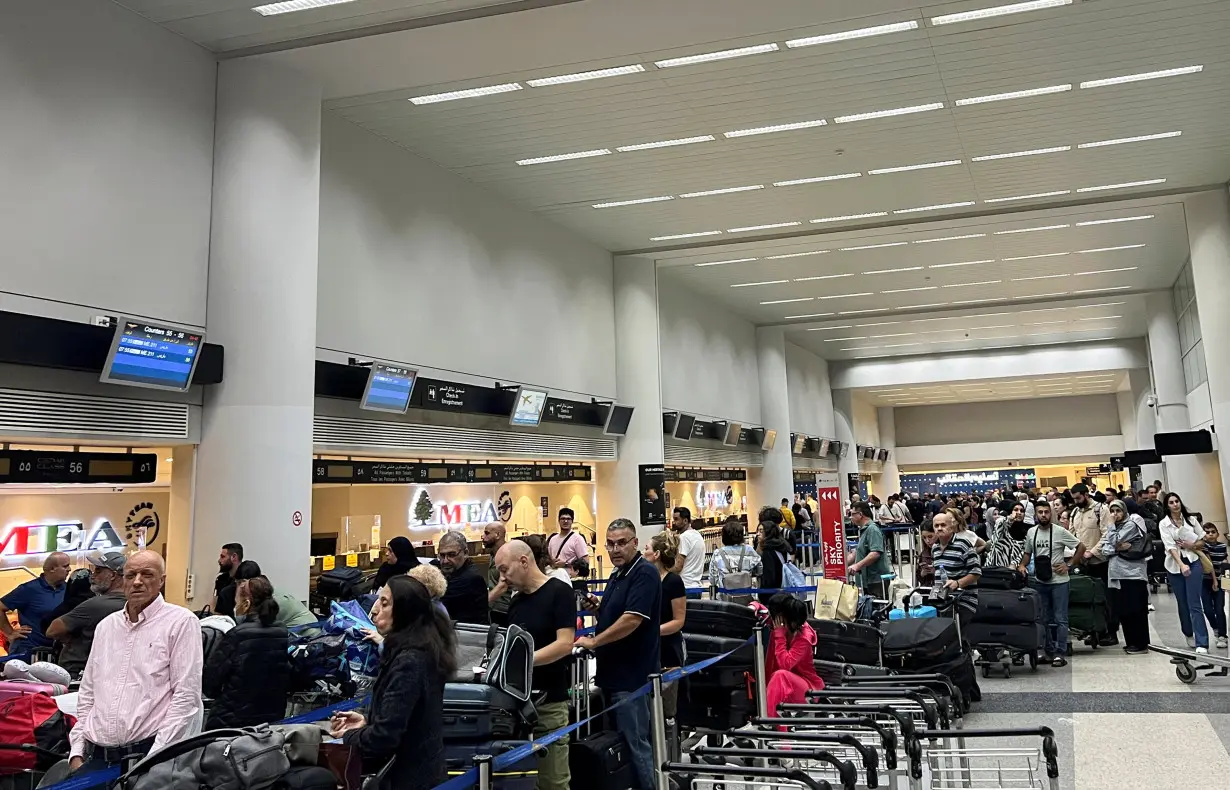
(949, 762)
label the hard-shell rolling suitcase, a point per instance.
(714, 709)
(854, 643)
(729, 673)
(1000, 579)
(1025, 637)
(719, 618)
(343, 584)
(477, 712)
(602, 761)
(960, 670)
(1007, 607)
(914, 644)
(834, 673)
(521, 775)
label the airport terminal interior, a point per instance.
(316, 275)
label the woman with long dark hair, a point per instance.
(774, 549)
(789, 660)
(248, 675)
(402, 726)
(1182, 538)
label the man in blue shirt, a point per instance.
(33, 601)
(626, 640)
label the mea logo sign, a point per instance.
(141, 528)
(142, 525)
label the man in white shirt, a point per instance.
(690, 564)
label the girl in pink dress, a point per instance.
(792, 647)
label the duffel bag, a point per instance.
(912, 644)
(1007, 607)
(1001, 579)
(342, 584)
(719, 618)
(250, 758)
(844, 642)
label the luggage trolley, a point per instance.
(943, 766)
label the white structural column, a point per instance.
(254, 463)
(1208, 229)
(776, 479)
(1137, 422)
(843, 420)
(638, 381)
(890, 475)
(1194, 477)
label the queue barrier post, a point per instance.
(657, 731)
(762, 697)
(483, 762)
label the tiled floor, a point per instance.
(1121, 721)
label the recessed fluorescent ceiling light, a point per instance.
(723, 263)
(1124, 185)
(1033, 257)
(788, 301)
(839, 339)
(1030, 230)
(1122, 140)
(795, 255)
(1039, 277)
(583, 76)
(633, 202)
(469, 93)
(979, 301)
(708, 57)
(1105, 304)
(932, 304)
(994, 11)
(966, 285)
(1112, 221)
(1111, 249)
(831, 328)
(1034, 152)
(704, 138)
(864, 312)
(867, 116)
(815, 180)
(1103, 318)
(1106, 271)
(1043, 323)
(698, 234)
(894, 271)
(874, 246)
(781, 127)
(910, 290)
(845, 296)
(822, 277)
(1029, 197)
(927, 166)
(294, 5)
(764, 282)
(959, 263)
(1105, 288)
(725, 191)
(950, 238)
(813, 315)
(1147, 75)
(846, 217)
(879, 323)
(848, 35)
(962, 204)
(1025, 94)
(763, 227)
(538, 160)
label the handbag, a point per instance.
(344, 762)
(836, 600)
(1043, 571)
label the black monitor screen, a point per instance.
(388, 388)
(683, 428)
(869, 453)
(148, 355)
(618, 419)
(1141, 457)
(1183, 443)
(883, 455)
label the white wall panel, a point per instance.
(708, 357)
(1031, 452)
(1200, 406)
(867, 423)
(106, 159)
(419, 266)
(811, 397)
(1008, 421)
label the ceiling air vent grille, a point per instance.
(817, 464)
(439, 440)
(706, 456)
(57, 413)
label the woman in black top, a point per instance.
(662, 551)
(398, 559)
(400, 734)
(248, 674)
(774, 549)
(225, 605)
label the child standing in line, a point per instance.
(1214, 595)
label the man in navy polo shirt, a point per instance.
(626, 641)
(33, 601)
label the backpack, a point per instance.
(792, 577)
(229, 759)
(210, 639)
(32, 719)
(738, 579)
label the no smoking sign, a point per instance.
(296, 518)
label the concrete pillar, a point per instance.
(254, 463)
(890, 475)
(843, 419)
(1194, 477)
(1138, 421)
(638, 382)
(776, 479)
(1208, 230)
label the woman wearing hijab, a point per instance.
(398, 559)
(1004, 549)
(1129, 546)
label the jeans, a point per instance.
(632, 720)
(1054, 601)
(1214, 605)
(1187, 596)
(553, 772)
(1132, 603)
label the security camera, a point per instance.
(1151, 401)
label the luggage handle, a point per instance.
(939, 683)
(790, 774)
(1049, 749)
(888, 738)
(904, 722)
(845, 769)
(935, 716)
(868, 755)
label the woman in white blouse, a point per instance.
(1182, 537)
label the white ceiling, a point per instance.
(996, 389)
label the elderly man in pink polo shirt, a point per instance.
(566, 545)
(142, 685)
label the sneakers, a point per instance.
(1191, 641)
(1059, 661)
(1152, 608)
(1221, 642)
(1108, 641)
(1136, 651)
(1200, 651)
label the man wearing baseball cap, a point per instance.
(75, 629)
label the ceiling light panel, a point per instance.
(864, 312)
(831, 328)
(1114, 220)
(875, 246)
(1105, 271)
(723, 263)
(1031, 230)
(703, 138)
(895, 271)
(1142, 76)
(849, 35)
(910, 290)
(1016, 154)
(772, 226)
(849, 217)
(764, 282)
(1111, 249)
(822, 277)
(1040, 277)
(1124, 185)
(950, 238)
(584, 76)
(869, 116)
(795, 255)
(290, 6)
(781, 127)
(1035, 257)
(709, 57)
(538, 160)
(1022, 94)
(813, 315)
(927, 166)
(936, 207)
(695, 235)
(789, 301)
(1124, 140)
(967, 285)
(723, 191)
(1033, 196)
(815, 179)
(469, 93)
(960, 263)
(634, 201)
(845, 339)
(994, 11)
(845, 296)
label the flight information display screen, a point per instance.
(149, 355)
(527, 407)
(388, 388)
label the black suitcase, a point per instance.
(307, 777)
(1001, 579)
(477, 712)
(731, 672)
(834, 673)
(521, 775)
(719, 618)
(1026, 637)
(912, 644)
(842, 642)
(714, 709)
(960, 670)
(1007, 607)
(602, 761)
(342, 584)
